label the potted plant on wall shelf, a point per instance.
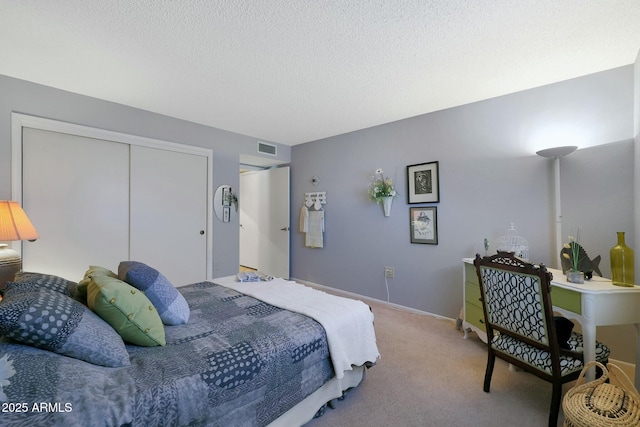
(231, 199)
(382, 191)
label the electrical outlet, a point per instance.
(388, 272)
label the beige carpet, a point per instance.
(430, 376)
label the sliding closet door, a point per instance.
(76, 193)
(169, 212)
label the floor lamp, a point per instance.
(14, 225)
(556, 154)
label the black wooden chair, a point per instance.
(521, 328)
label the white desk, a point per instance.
(596, 302)
(602, 304)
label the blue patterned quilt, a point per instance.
(238, 362)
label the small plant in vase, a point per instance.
(571, 252)
(382, 191)
(576, 263)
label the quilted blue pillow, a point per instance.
(171, 305)
(52, 321)
(48, 281)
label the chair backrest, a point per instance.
(517, 300)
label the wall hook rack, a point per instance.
(310, 199)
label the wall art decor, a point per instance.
(424, 225)
(423, 183)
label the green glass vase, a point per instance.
(622, 263)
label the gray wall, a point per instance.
(37, 100)
(489, 176)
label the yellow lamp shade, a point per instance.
(14, 223)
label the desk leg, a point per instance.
(589, 333)
(637, 356)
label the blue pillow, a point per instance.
(48, 281)
(52, 321)
(171, 305)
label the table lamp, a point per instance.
(14, 225)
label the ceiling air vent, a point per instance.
(269, 149)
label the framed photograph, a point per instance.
(423, 183)
(424, 225)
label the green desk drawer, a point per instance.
(470, 274)
(566, 299)
(472, 294)
(474, 315)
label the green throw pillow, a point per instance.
(126, 309)
(80, 293)
(96, 269)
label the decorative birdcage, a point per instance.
(511, 242)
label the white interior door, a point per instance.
(249, 207)
(275, 225)
(169, 213)
(265, 220)
(76, 193)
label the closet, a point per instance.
(104, 199)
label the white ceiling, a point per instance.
(292, 71)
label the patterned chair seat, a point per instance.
(539, 359)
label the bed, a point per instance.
(237, 360)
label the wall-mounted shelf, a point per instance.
(310, 199)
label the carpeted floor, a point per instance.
(429, 375)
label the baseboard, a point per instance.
(378, 301)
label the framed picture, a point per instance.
(424, 225)
(423, 183)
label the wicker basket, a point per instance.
(599, 404)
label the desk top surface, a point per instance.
(596, 285)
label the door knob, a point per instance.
(201, 232)
(285, 229)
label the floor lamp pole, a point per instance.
(556, 154)
(558, 213)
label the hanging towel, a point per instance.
(304, 219)
(315, 228)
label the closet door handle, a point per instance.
(201, 232)
(284, 229)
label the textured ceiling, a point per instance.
(292, 71)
